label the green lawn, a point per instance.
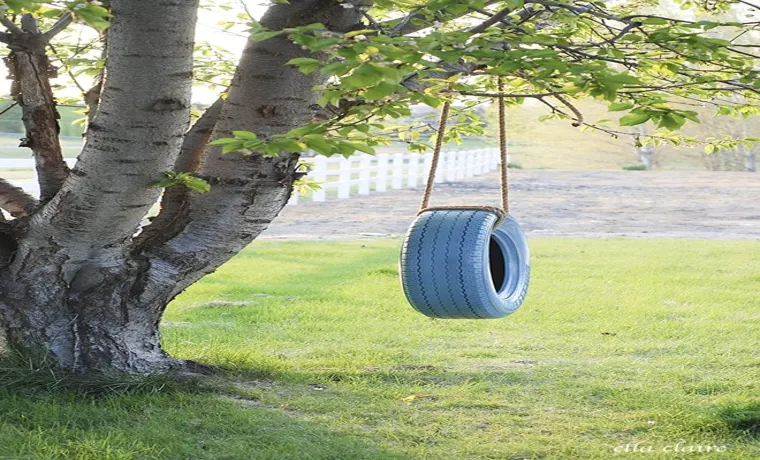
(654, 342)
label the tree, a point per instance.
(82, 280)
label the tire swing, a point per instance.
(468, 262)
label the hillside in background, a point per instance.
(556, 144)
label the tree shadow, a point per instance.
(744, 419)
(46, 413)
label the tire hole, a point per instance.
(496, 264)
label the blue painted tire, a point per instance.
(455, 264)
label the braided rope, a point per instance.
(503, 149)
(436, 156)
(500, 213)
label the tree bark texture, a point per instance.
(82, 281)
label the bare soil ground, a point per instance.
(587, 204)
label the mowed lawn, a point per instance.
(622, 345)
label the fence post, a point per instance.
(381, 180)
(479, 161)
(427, 161)
(365, 164)
(398, 170)
(344, 178)
(451, 166)
(470, 161)
(319, 174)
(411, 169)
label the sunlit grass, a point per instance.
(620, 342)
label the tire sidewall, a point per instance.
(511, 238)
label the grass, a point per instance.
(621, 342)
(637, 167)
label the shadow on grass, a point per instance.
(744, 419)
(48, 414)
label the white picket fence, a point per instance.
(342, 178)
(364, 174)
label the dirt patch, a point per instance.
(586, 204)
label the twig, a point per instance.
(7, 109)
(497, 17)
(401, 25)
(10, 25)
(574, 109)
(247, 11)
(373, 23)
(68, 69)
(510, 95)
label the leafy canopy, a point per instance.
(649, 61)
(91, 13)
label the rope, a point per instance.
(500, 213)
(436, 156)
(503, 149)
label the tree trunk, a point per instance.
(67, 292)
(80, 282)
(83, 332)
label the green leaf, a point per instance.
(305, 65)
(245, 135)
(365, 75)
(229, 148)
(672, 121)
(654, 21)
(363, 148)
(318, 143)
(265, 35)
(620, 106)
(196, 184)
(163, 183)
(622, 78)
(225, 140)
(635, 118)
(354, 33)
(379, 91)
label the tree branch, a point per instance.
(578, 115)
(10, 25)
(406, 25)
(92, 96)
(60, 25)
(15, 200)
(173, 216)
(30, 69)
(510, 95)
(497, 17)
